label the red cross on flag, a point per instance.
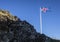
(44, 9)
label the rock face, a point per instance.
(12, 29)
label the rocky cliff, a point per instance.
(12, 29)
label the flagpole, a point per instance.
(40, 20)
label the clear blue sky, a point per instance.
(29, 10)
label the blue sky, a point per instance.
(29, 10)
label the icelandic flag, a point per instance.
(44, 9)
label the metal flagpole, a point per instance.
(40, 20)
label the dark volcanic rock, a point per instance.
(19, 31)
(12, 29)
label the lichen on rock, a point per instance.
(4, 15)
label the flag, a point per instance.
(44, 9)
